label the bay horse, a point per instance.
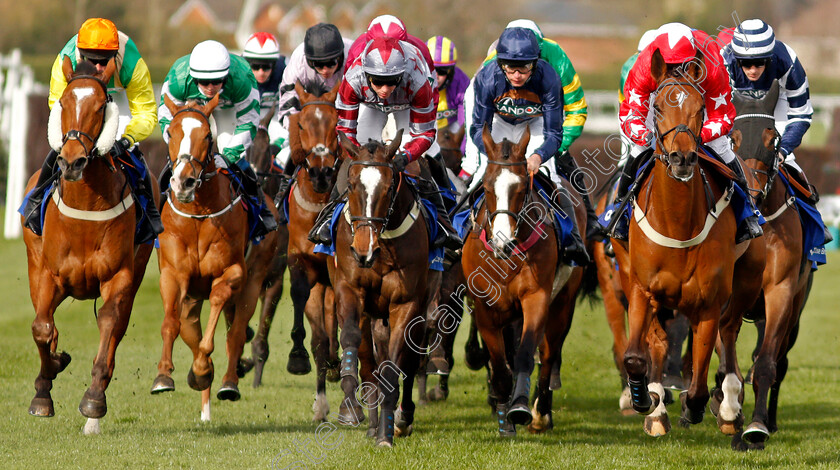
(380, 275)
(449, 139)
(87, 248)
(203, 256)
(261, 156)
(682, 255)
(316, 153)
(787, 277)
(514, 274)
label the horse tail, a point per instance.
(589, 285)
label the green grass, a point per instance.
(142, 430)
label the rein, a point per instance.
(392, 193)
(516, 216)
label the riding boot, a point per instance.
(619, 225)
(144, 188)
(32, 211)
(749, 228)
(567, 167)
(321, 232)
(446, 237)
(286, 179)
(252, 189)
(576, 251)
(800, 177)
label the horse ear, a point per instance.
(736, 139)
(67, 68)
(694, 70)
(487, 138)
(264, 122)
(522, 145)
(332, 93)
(296, 149)
(211, 105)
(395, 144)
(109, 70)
(348, 145)
(303, 96)
(738, 100)
(657, 66)
(170, 105)
(771, 98)
(459, 135)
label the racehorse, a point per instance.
(380, 275)
(87, 246)
(511, 263)
(316, 152)
(261, 156)
(788, 276)
(202, 255)
(449, 139)
(682, 255)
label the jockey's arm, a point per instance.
(482, 113)
(422, 124)
(552, 102)
(289, 103)
(164, 116)
(574, 101)
(246, 106)
(347, 104)
(57, 81)
(795, 90)
(720, 111)
(141, 103)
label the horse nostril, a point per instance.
(190, 183)
(692, 158)
(80, 163)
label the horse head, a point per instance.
(315, 143)
(449, 138)
(678, 113)
(260, 153)
(755, 136)
(372, 186)
(507, 190)
(83, 123)
(190, 146)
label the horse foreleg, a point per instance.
(403, 362)
(46, 296)
(245, 304)
(300, 288)
(657, 423)
(170, 291)
(349, 310)
(259, 346)
(501, 379)
(190, 321)
(112, 320)
(704, 335)
(372, 397)
(535, 313)
(320, 349)
(639, 314)
(331, 327)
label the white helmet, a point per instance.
(261, 46)
(647, 38)
(209, 60)
(527, 24)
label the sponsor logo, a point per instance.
(390, 108)
(446, 113)
(509, 107)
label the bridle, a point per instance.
(393, 190)
(678, 129)
(75, 134)
(320, 150)
(516, 216)
(190, 159)
(773, 170)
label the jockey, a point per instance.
(390, 77)
(452, 83)
(575, 112)
(678, 45)
(210, 70)
(646, 39)
(97, 42)
(754, 60)
(518, 90)
(263, 55)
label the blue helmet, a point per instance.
(518, 45)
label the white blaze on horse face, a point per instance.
(81, 94)
(370, 178)
(681, 96)
(188, 124)
(500, 225)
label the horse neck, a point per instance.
(99, 188)
(403, 203)
(775, 198)
(213, 194)
(676, 209)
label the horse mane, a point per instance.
(371, 146)
(505, 149)
(84, 68)
(316, 89)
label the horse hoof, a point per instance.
(333, 372)
(350, 415)
(756, 433)
(385, 442)
(475, 356)
(404, 432)
(731, 428)
(520, 415)
(437, 366)
(438, 394)
(91, 407)
(656, 426)
(739, 444)
(541, 422)
(42, 407)
(715, 401)
(163, 383)
(403, 426)
(244, 366)
(228, 391)
(199, 382)
(63, 361)
(249, 334)
(555, 383)
(673, 382)
(299, 362)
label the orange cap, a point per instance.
(98, 33)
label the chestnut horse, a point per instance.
(514, 274)
(202, 256)
(315, 151)
(682, 255)
(87, 246)
(380, 275)
(787, 277)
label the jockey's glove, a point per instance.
(121, 147)
(399, 162)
